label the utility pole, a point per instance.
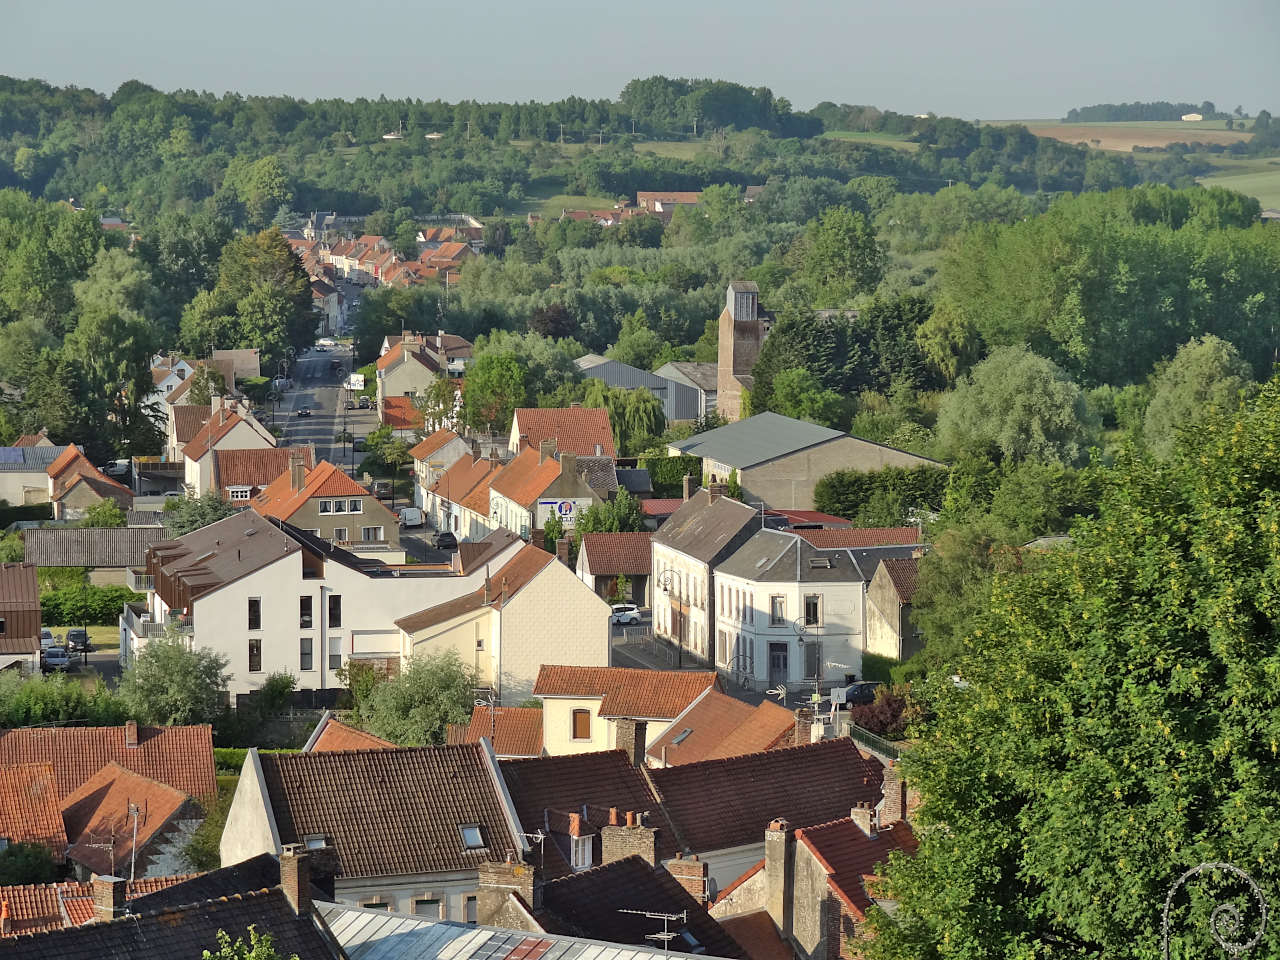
(562, 133)
(133, 849)
(602, 136)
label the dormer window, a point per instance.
(472, 836)
(239, 494)
(581, 853)
(314, 841)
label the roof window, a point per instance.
(472, 836)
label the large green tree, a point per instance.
(1206, 374)
(170, 682)
(415, 708)
(495, 386)
(1115, 724)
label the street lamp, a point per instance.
(666, 581)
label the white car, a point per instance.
(625, 613)
(326, 342)
(47, 639)
(116, 468)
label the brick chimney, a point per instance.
(108, 898)
(804, 726)
(718, 490)
(547, 448)
(131, 734)
(297, 471)
(440, 341)
(630, 739)
(562, 550)
(632, 837)
(568, 464)
(894, 806)
(864, 815)
(687, 489)
(497, 881)
(779, 874)
(295, 877)
(691, 874)
(6, 925)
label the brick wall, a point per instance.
(624, 840)
(691, 874)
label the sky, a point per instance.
(980, 59)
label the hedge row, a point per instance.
(229, 761)
(846, 492)
(85, 605)
(33, 511)
(667, 473)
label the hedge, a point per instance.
(85, 605)
(846, 493)
(229, 761)
(876, 667)
(32, 511)
(667, 473)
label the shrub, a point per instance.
(880, 495)
(85, 605)
(876, 667)
(886, 716)
(26, 863)
(667, 473)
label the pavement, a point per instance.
(319, 388)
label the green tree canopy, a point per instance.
(495, 387)
(1206, 374)
(260, 946)
(104, 513)
(181, 516)
(415, 708)
(169, 682)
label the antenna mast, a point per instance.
(666, 936)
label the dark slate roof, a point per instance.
(775, 556)
(91, 547)
(601, 474)
(587, 904)
(704, 376)
(805, 785)
(185, 931)
(390, 812)
(701, 527)
(29, 459)
(637, 482)
(256, 873)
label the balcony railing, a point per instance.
(138, 581)
(139, 623)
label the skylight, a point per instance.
(472, 836)
(682, 736)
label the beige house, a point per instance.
(229, 427)
(529, 610)
(586, 709)
(410, 363)
(75, 485)
(330, 505)
(779, 461)
(890, 629)
(538, 484)
(24, 476)
(432, 457)
(459, 500)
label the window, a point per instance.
(812, 610)
(777, 611)
(239, 493)
(428, 907)
(581, 853)
(304, 654)
(375, 905)
(335, 609)
(722, 654)
(304, 613)
(355, 506)
(255, 655)
(469, 907)
(335, 653)
(326, 506)
(340, 534)
(472, 836)
(2, 627)
(255, 613)
(812, 659)
(4, 844)
(314, 841)
(371, 534)
(582, 724)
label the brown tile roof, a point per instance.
(390, 812)
(19, 586)
(429, 445)
(611, 553)
(256, 468)
(477, 498)
(507, 581)
(515, 731)
(333, 735)
(803, 785)
(187, 421)
(98, 813)
(627, 691)
(182, 757)
(587, 904)
(278, 499)
(463, 477)
(525, 478)
(758, 936)
(854, 538)
(575, 429)
(848, 855)
(903, 572)
(33, 439)
(29, 810)
(213, 556)
(37, 907)
(102, 486)
(215, 428)
(399, 413)
(718, 725)
(65, 459)
(597, 781)
(185, 931)
(660, 507)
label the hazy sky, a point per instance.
(979, 59)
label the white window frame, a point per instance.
(581, 852)
(239, 494)
(325, 506)
(355, 506)
(340, 534)
(379, 531)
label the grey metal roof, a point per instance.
(704, 376)
(380, 935)
(756, 440)
(636, 481)
(29, 459)
(91, 547)
(680, 401)
(144, 518)
(777, 556)
(701, 528)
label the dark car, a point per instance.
(444, 540)
(54, 658)
(303, 412)
(350, 404)
(863, 691)
(78, 640)
(364, 403)
(358, 444)
(260, 414)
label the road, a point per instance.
(318, 388)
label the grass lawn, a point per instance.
(677, 149)
(102, 638)
(1253, 176)
(874, 138)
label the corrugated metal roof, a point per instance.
(18, 587)
(91, 547)
(759, 439)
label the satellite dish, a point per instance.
(780, 691)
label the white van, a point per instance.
(410, 517)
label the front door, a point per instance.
(777, 664)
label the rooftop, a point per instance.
(717, 725)
(701, 527)
(626, 691)
(525, 478)
(91, 546)
(331, 735)
(503, 585)
(704, 376)
(777, 556)
(513, 731)
(280, 500)
(29, 459)
(38, 907)
(575, 429)
(756, 440)
(187, 420)
(618, 553)
(903, 572)
(29, 807)
(429, 445)
(213, 556)
(256, 468)
(98, 813)
(855, 538)
(399, 413)
(463, 477)
(849, 855)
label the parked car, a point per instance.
(410, 517)
(364, 403)
(382, 489)
(54, 658)
(303, 412)
(174, 494)
(861, 691)
(444, 540)
(47, 639)
(326, 342)
(350, 404)
(78, 640)
(116, 468)
(358, 444)
(625, 613)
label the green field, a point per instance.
(1253, 176)
(676, 149)
(874, 138)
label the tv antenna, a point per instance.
(667, 935)
(780, 691)
(540, 838)
(492, 704)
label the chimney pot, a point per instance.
(108, 898)
(613, 816)
(864, 815)
(6, 926)
(131, 734)
(295, 877)
(687, 486)
(631, 818)
(599, 449)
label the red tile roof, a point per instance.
(525, 478)
(463, 477)
(215, 428)
(187, 420)
(98, 813)
(805, 785)
(37, 907)
(515, 731)
(854, 538)
(660, 507)
(848, 855)
(182, 757)
(575, 429)
(64, 460)
(33, 439)
(614, 553)
(718, 725)
(429, 445)
(281, 501)
(810, 516)
(758, 936)
(336, 736)
(29, 809)
(399, 413)
(903, 572)
(507, 581)
(625, 691)
(256, 468)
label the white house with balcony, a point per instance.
(273, 598)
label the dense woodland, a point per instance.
(1057, 325)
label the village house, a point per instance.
(607, 559)
(273, 598)
(541, 483)
(716, 725)
(394, 829)
(19, 617)
(24, 472)
(240, 475)
(705, 530)
(229, 427)
(890, 630)
(75, 485)
(432, 456)
(530, 609)
(44, 907)
(607, 708)
(328, 504)
(168, 371)
(582, 431)
(459, 500)
(514, 732)
(330, 306)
